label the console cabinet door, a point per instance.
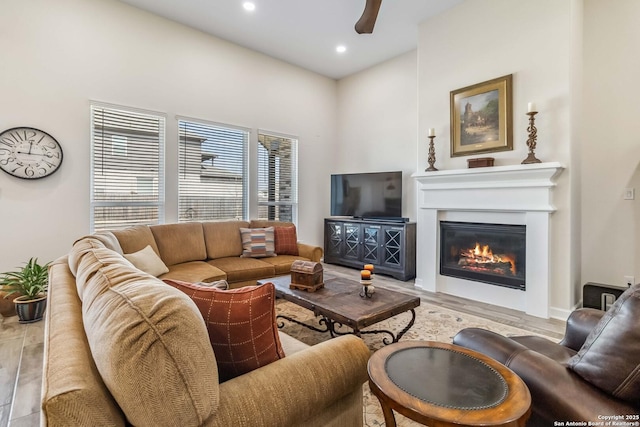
(334, 237)
(352, 241)
(393, 247)
(371, 244)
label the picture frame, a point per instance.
(481, 118)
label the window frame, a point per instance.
(160, 202)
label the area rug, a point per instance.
(432, 323)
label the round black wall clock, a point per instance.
(29, 153)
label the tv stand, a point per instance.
(387, 244)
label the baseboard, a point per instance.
(561, 313)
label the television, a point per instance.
(367, 195)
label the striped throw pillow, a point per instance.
(257, 242)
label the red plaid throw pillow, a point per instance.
(241, 324)
(286, 241)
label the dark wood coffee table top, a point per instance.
(339, 301)
(446, 385)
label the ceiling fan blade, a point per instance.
(368, 19)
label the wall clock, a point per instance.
(29, 153)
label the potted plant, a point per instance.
(30, 283)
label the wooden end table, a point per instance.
(440, 384)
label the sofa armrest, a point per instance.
(314, 253)
(560, 394)
(557, 393)
(494, 345)
(292, 389)
(579, 325)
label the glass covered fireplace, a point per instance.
(489, 253)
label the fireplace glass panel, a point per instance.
(489, 253)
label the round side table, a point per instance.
(439, 384)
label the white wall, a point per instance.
(483, 39)
(56, 58)
(377, 117)
(610, 148)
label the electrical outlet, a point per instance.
(629, 280)
(629, 193)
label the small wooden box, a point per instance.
(306, 275)
(481, 162)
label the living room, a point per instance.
(573, 58)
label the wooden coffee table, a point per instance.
(440, 384)
(339, 303)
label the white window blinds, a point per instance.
(127, 186)
(212, 182)
(277, 177)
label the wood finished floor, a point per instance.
(21, 346)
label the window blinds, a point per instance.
(212, 182)
(127, 186)
(277, 177)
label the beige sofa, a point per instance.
(123, 348)
(209, 251)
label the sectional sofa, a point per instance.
(209, 251)
(122, 347)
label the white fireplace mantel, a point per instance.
(519, 194)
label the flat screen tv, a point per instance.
(367, 195)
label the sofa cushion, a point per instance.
(282, 263)
(243, 269)
(257, 242)
(286, 240)
(241, 325)
(138, 327)
(222, 238)
(180, 243)
(610, 356)
(73, 392)
(132, 239)
(195, 271)
(148, 261)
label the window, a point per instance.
(127, 174)
(118, 145)
(212, 182)
(277, 177)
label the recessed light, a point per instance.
(249, 6)
(341, 48)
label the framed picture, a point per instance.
(481, 118)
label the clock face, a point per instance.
(29, 153)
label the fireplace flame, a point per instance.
(482, 255)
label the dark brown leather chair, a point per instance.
(592, 374)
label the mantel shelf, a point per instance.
(539, 175)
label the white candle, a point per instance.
(432, 132)
(531, 107)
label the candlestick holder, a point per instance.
(531, 141)
(432, 156)
(367, 289)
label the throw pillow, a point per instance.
(148, 261)
(610, 356)
(241, 325)
(286, 241)
(257, 242)
(218, 284)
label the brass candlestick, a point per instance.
(531, 142)
(432, 156)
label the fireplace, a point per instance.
(481, 252)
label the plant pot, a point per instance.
(7, 307)
(30, 310)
